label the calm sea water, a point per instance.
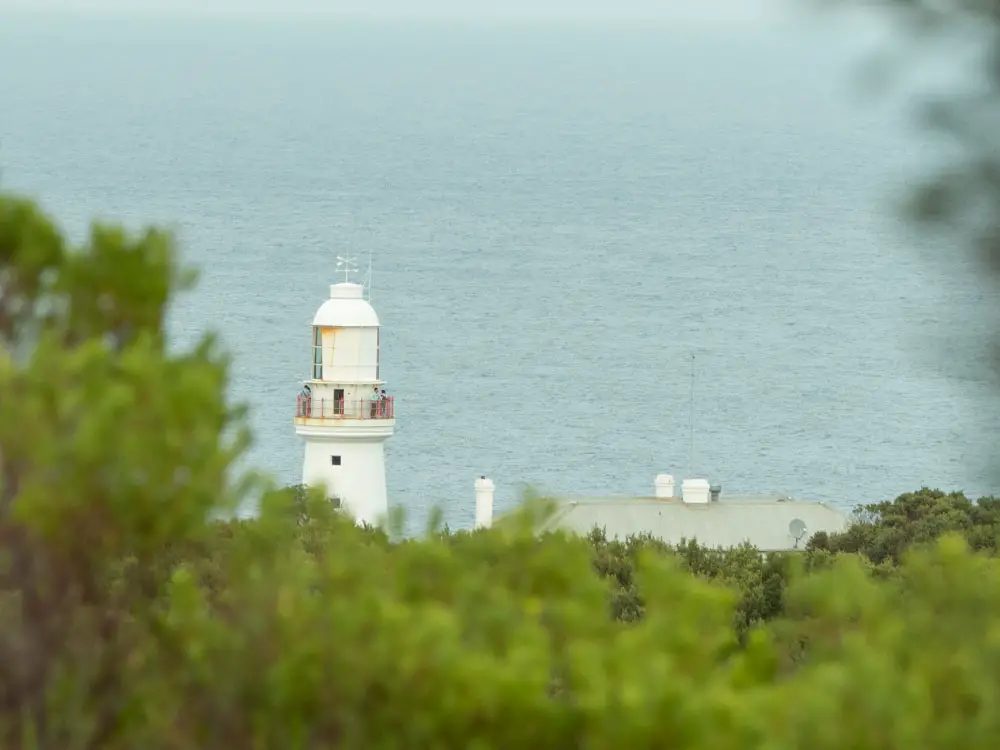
(560, 218)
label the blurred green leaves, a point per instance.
(137, 611)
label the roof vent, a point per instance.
(715, 490)
(694, 491)
(664, 486)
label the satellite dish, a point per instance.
(797, 528)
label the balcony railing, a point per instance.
(328, 408)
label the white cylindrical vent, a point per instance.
(695, 491)
(484, 503)
(664, 486)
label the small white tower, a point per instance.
(344, 427)
(484, 503)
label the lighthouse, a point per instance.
(342, 412)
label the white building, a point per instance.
(702, 513)
(344, 427)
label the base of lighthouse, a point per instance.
(352, 470)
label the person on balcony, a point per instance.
(383, 404)
(305, 401)
(374, 398)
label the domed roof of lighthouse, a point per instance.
(346, 308)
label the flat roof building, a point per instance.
(701, 513)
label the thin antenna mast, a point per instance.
(691, 424)
(369, 273)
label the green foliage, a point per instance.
(883, 532)
(111, 451)
(907, 664)
(759, 578)
(137, 611)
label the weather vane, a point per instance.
(346, 265)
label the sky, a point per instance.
(700, 11)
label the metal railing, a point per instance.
(328, 408)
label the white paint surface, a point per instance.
(696, 491)
(484, 503)
(664, 485)
(344, 433)
(359, 481)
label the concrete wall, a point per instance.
(359, 480)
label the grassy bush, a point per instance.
(130, 617)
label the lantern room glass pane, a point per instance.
(317, 353)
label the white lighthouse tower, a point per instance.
(341, 412)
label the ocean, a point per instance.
(573, 229)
